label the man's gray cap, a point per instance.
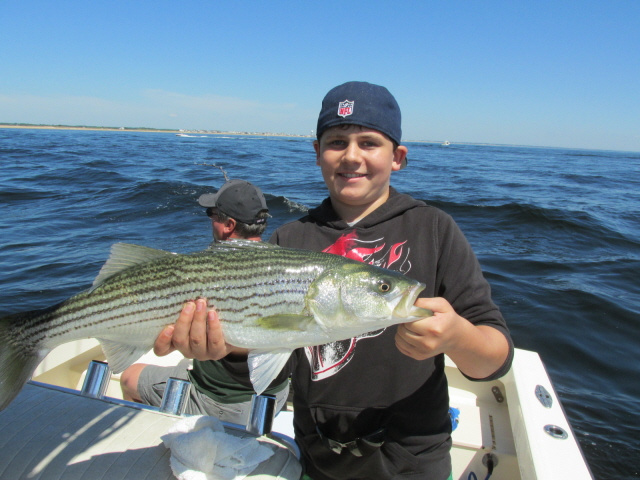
(237, 199)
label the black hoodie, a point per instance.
(350, 389)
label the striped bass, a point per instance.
(269, 299)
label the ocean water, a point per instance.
(557, 232)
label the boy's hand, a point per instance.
(430, 336)
(197, 334)
(477, 350)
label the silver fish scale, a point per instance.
(243, 284)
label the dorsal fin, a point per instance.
(238, 244)
(125, 255)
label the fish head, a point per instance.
(356, 298)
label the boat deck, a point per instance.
(50, 433)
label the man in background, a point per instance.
(219, 387)
(237, 211)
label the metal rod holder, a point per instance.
(96, 380)
(176, 395)
(263, 408)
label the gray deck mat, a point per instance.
(55, 435)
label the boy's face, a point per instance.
(356, 164)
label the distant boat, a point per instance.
(446, 142)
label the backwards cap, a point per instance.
(364, 104)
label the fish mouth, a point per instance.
(406, 308)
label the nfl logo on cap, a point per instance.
(345, 108)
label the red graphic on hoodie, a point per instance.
(327, 360)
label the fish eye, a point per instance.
(384, 286)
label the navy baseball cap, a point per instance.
(237, 199)
(361, 103)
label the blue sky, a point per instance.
(560, 73)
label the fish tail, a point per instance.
(17, 363)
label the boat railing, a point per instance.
(174, 401)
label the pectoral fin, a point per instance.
(264, 366)
(285, 322)
(119, 355)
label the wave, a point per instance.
(281, 203)
(535, 219)
(600, 154)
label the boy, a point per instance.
(377, 406)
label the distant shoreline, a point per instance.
(143, 129)
(192, 132)
(178, 132)
(261, 134)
